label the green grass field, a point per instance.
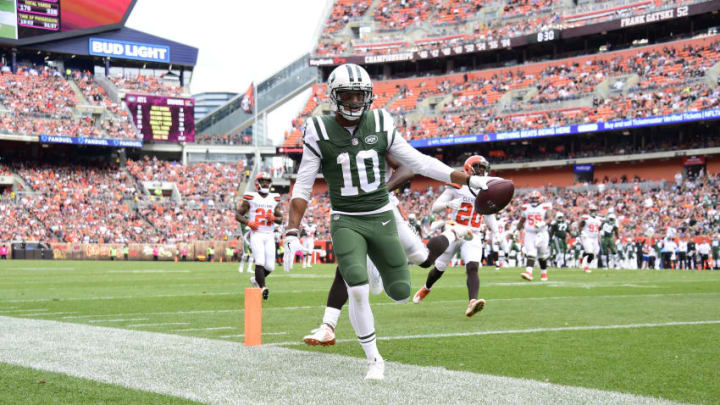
(650, 333)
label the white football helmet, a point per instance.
(350, 77)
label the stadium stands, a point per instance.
(147, 85)
(640, 82)
(403, 26)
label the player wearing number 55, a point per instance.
(349, 148)
(263, 213)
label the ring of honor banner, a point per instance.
(163, 119)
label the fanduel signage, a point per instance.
(129, 50)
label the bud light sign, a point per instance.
(129, 50)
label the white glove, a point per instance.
(455, 204)
(292, 245)
(479, 182)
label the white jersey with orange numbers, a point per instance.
(535, 217)
(260, 207)
(466, 214)
(592, 226)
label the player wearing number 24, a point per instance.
(263, 213)
(349, 148)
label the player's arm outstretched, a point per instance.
(430, 166)
(446, 200)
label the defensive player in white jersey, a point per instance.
(308, 242)
(535, 221)
(416, 251)
(263, 213)
(590, 236)
(461, 201)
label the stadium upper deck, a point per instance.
(382, 27)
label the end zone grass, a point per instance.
(652, 333)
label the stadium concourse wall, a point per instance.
(196, 251)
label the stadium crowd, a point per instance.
(446, 23)
(649, 81)
(147, 85)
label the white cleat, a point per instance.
(527, 276)
(322, 336)
(375, 281)
(253, 282)
(376, 369)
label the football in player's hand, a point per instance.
(498, 195)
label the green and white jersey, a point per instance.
(560, 229)
(354, 164)
(352, 161)
(607, 230)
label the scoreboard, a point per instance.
(36, 16)
(29, 21)
(163, 119)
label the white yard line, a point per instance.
(194, 329)
(208, 370)
(515, 331)
(118, 320)
(43, 268)
(264, 334)
(428, 302)
(147, 271)
(138, 325)
(23, 310)
(46, 314)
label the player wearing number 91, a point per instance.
(263, 210)
(349, 147)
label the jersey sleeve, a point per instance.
(248, 197)
(416, 161)
(442, 201)
(309, 165)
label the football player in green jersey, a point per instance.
(608, 233)
(349, 148)
(558, 235)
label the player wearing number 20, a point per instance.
(349, 148)
(460, 200)
(263, 210)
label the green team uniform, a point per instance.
(361, 224)
(559, 230)
(607, 237)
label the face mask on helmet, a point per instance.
(351, 104)
(264, 185)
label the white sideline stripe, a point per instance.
(125, 297)
(46, 314)
(118, 320)
(23, 310)
(264, 333)
(207, 370)
(148, 271)
(514, 331)
(191, 329)
(137, 325)
(217, 311)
